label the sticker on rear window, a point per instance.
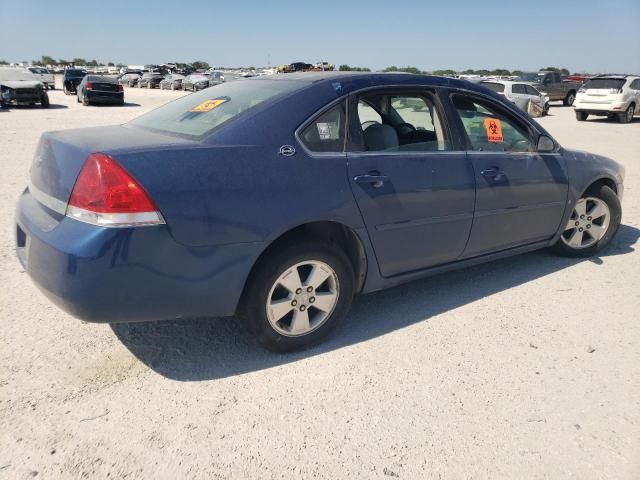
(493, 128)
(327, 130)
(209, 105)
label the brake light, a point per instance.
(88, 86)
(106, 194)
(120, 88)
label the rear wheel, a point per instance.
(593, 223)
(568, 100)
(581, 116)
(85, 101)
(44, 100)
(298, 295)
(627, 115)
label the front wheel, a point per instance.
(627, 115)
(298, 295)
(593, 223)
(44, 100)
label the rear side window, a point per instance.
(198, 114)
(326, 133)
(635, 85)
(604, 83)
(496, 87)
(489, 129)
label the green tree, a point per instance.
(47, 60)
(347, 68)
(402, 69)
(92, 63)
(442, 73)
(3, 62)
(110, 64)
(199, 64)
(517, 73)
(562, 71)
(79, 61)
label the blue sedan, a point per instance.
(277, 199)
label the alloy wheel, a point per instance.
(588, 223)
(302, 298)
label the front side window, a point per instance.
(326, 133)
(488, 128)
(396, 122)
(531, 91)
(518, 88)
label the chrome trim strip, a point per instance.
(115, 220)
(47, 200)
(456, 217)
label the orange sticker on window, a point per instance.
(493, 128)
(208, 105)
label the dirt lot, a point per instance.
(523, 368)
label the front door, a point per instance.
(415, 193)
(521, 194)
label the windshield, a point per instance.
(200, 113)
(531, 77)
(16, 74)
(75, 73)
(496, 87)
(39, 70)
(604, 83)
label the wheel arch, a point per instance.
(328, 231)
(609, 182)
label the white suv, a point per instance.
(519, 93)
(614, 96)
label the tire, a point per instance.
(44, 100)
(583, 224)
(173, 86)
(85, 101)
(77, 99)
(264, 287)
(568, 100)
(627, 115)
(65, 90)
(581, 116)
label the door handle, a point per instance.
(375, 179)
(491, 172)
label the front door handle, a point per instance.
(375, 179)
(491, 172)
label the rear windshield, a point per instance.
(75, 73)
(496, 87)
(200, 113)
(604, 83)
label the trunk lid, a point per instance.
(104, 86)
(60, 155)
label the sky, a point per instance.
(583, 36)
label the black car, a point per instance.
(150, 80)
(129, 79)
(20, 87)
(195, 82)
(98, 89)
(71, 79)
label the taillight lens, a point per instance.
(88, 86)
(120, 88)
(106, 194)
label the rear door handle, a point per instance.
(375, 179)
(491, 172)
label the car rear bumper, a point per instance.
(115, 275)
(600, 108)
(105, 97)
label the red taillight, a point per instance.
(87, 85)
(120, 88)
(106, 194)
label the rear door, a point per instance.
(415, 192)
(520, 97)
(521, 194)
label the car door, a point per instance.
(415, 192)
(521, 194)
(519, 95)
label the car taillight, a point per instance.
(120, 88)
(105, 194)
(88, 86)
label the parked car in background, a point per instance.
(215, 78)
(150, 80)
(551, 84)
(19, 86)
(614, 96)
(248, 199)
(173, 81)
(519, 93)
(99, 89)
(129, 79)
(195, 82)
(71, 79)
(45, 76)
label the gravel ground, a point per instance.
(524, 368)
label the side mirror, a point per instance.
(545, 145)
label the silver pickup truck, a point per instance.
(44, 76)
(551, 84)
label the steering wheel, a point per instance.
(368, 123)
